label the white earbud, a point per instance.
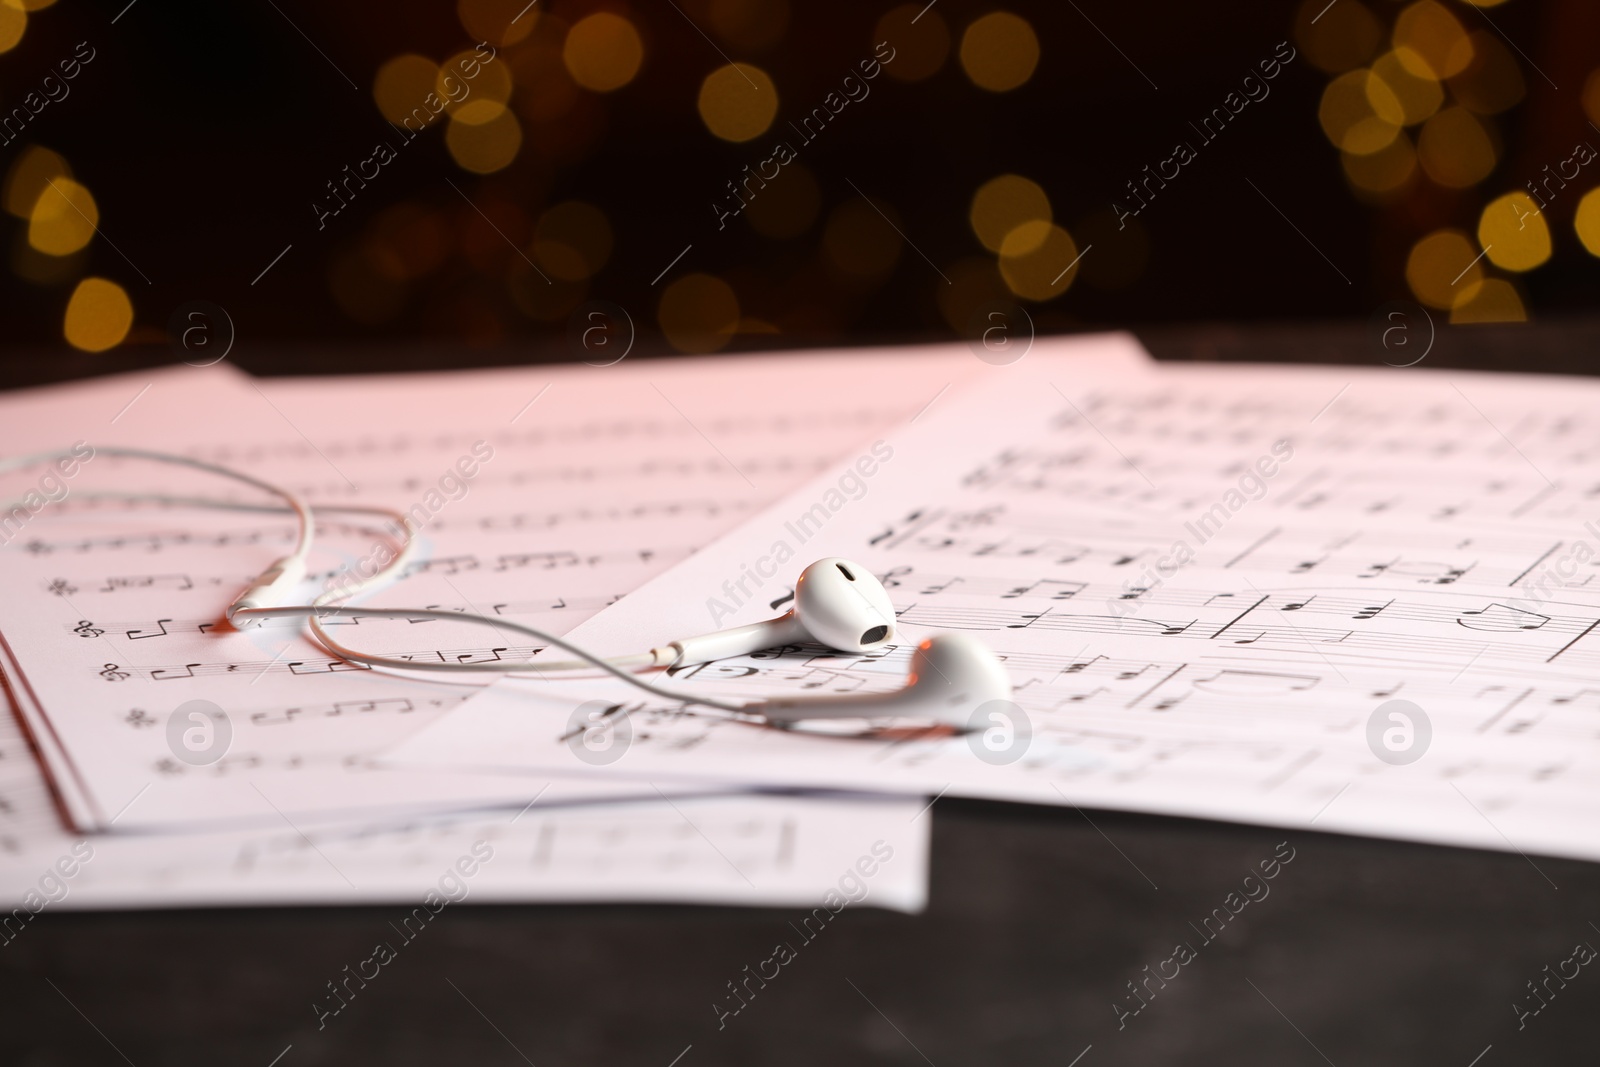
(836, 603)
(952, 676)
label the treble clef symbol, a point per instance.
(112, 674)
(87, 629)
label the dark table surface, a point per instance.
(1362, 952)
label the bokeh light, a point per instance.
(29, 177)
(1492, 82)
(572, 241)
(63, 218)
(603, 52)
(787, 206)
(1378, 175)
(1034, 259)
(1002, 204)
(465, 79)
(921, 44)
(1587, 221)
(1513, 233)
(13, 24)
(738, 102)
(999, 51)
(1496, 300)
(698, 313)
(1349, 118)
(749, 24)
(859, 242)
(1411, 98)
(99, 315)
(1444, 268)
(1337, 37)
(1456, 149)
(497, 22)
(483, 137)
(1429, 36)
(1591, 95)
(402, 84)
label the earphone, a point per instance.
(838, 603)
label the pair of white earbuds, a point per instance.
(837, 603)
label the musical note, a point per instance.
(1502, 618)
(160, 631)
(111, 673)
(86, 629)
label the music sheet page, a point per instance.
(1359, 600)
(542, 494)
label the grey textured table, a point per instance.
(1363, 952)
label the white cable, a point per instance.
(258, 601)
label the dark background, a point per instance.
(204, 132)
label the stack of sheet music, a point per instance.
(1356, 600)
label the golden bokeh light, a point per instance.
(1002, 204)
(698, 313)
(603, 52)
(29, 177)
(30, 5)
(1591, 96)
(1492, 82)
(548, 92)
(13, 24)
(1410, 99)
(1587, 221)
(787, 206)
(497, 22)
(1496, 300)
(63, 218)
(999, 51)
(1034, 260)
(99, 315)
(1444, 269)
(1456, 149)
(751, 24)
(1484, 3)
(1337, 37)
(465, 79)
(738, 102)
(1378, 175)
(859, 242)
(402, 84)
(1427, 35)
(1349, 118)
(572, 241)
(1513, 233)
(921, 44)
(483, 137)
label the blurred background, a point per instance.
(488, 179)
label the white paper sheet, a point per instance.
(599, 478)
(1423, 536)
(742, 849)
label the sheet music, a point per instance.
(754, 850)
(1207, 583)
(584, 482)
